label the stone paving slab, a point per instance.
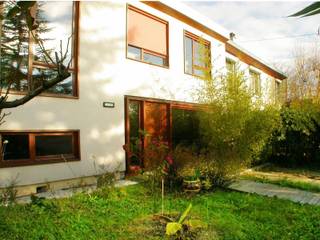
(271, 190)
(65, 193)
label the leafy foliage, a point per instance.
(235, 126)
(183, 228)
(296, 142)
(310, 10)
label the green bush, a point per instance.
(296, 141)
(235, 126)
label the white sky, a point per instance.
(253, 20)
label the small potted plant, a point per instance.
(192, 183)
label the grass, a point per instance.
(284, 182)
(127, 214)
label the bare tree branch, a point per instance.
(30, 95)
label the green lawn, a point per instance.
(127, 214)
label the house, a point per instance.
(134, 65)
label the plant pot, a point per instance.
(190, 185)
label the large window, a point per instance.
(23, 65)
(255, 79)
(197, 56)
(185, 128)
(147, 37)
(26, 148)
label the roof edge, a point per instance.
(206, 26)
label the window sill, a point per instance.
(12, 92)
(136, 60)
(196, 76)
(24, 163)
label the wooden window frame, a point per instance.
(233, 63)
(277, 90)
(195, 38)
(170, 105)
(37, 160)
(143, 50)
(253, 82)
(74, 70)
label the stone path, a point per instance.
(64, 193)
(272, 190)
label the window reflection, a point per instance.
(41, 75)
(55, 22)
(185, 128)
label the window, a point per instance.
(185, 128)
(255, 79)
(57, 23)
(231, 66)
(147, 37)
(277, 90)
(196, 56)
(26, 148)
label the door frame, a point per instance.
(170, 105)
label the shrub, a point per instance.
(235, 126)
(296, 141)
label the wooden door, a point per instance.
(156, 124)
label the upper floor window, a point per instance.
(255, 82)
(147, 37)
(197, 56)
(23, 63)
(277, 91)
(231, 66)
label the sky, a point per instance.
(254, 21)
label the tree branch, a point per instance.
(30, 95)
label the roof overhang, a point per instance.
(205, 25)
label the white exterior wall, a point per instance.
(267, 81)
(104, 75)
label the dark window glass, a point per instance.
(277, 90)
(53, 145)
(134, 121)
(14, 50)
(16, 147)
(150, 58)
(188, 55)
(40, 76)
(134, 109)
(134, 52)
(185, 128)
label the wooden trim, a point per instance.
(244, 57)
(206, 43)
(35, 64)
(196, 37)
(169, 106)
(149, 15)
(165, 57)
(51, 95)
(126, 131)
(185, 19)
(161, 100)
(33, 159)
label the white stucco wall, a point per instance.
(105, 75)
